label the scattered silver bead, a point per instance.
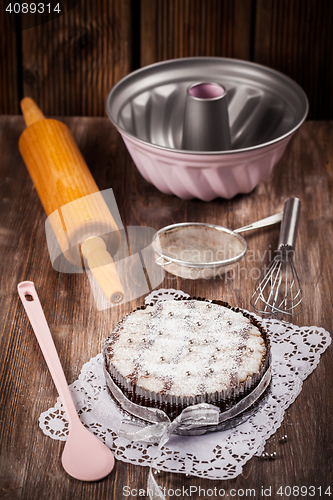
(265, 455)
(209, 306)
(162, 359)
(190, 349)
(170, 313)
(160, 333)
(147, 373)
(284, 439)
(157, 472)
(198, 323)
(213, 357)
(273, 455)
(130, 341)
(211, 370)
(218, 349)
(188, 374)
(191, 341)
(229, 322)
(250, 349)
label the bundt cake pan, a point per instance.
(265, 108)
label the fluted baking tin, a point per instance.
(265, 108)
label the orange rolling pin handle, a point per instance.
(103, 268)
(63, 182)
(31, 112)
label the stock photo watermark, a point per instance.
(26, 15)
(282, 492)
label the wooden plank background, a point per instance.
(8, 67)
(69, 64)
(185, 28)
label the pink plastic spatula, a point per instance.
(85, 457)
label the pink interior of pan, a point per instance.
(206, 90)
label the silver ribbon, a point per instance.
(194, 420)
(149, 415)
(196, 415)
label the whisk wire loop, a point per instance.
(278, 291)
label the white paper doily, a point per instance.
(219, 455)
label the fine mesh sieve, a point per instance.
(194, 250)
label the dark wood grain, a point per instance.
(185, 28)
(30, 465)
(71, 63)
(295, 37)
(9, 78)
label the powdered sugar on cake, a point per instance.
(186, 348)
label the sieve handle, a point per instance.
(289, 223)
(162, 261)
(268, 221)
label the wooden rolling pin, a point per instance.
(71, 199)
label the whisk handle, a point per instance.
(289, 223)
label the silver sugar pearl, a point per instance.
(265, 455)
(209, 306)
(213, 358)
(229, 322)
(284, 439)
(129, 341)
(156, 472)
(147, 373)
(211, 370)
(191, 341)
(160, 333)
(273, 455)
(206, 341)
(198, 323)
(162, 359)
(218, 349)
(170, 313)
(190, 349)
(250, 349)
(188, 374)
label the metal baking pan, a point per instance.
(264, 105)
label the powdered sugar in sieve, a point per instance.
(194, 250)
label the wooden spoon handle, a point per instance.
(31, 111)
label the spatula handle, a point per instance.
(34, 310)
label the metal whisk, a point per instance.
(278, 291)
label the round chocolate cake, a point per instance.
(178, 353)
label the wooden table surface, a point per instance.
(29, 461)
